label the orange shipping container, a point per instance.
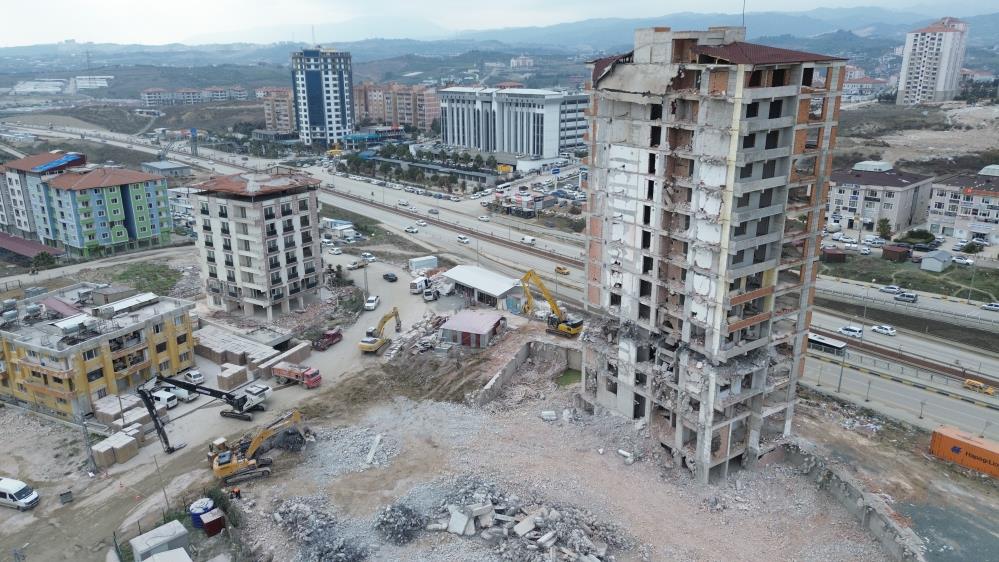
(968, 450)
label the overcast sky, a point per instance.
(138, 21)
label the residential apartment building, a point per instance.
(152, 97)
(396, 105)
(708, 171)
(871, 191)
(63, 350)
(523, 61)
(323, 84)
(931, 63)
(518, 121)
(21, 202)
(258, 237)
(966, 206)
(863, 88)
(279, 110)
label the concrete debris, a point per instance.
(314, 529)
(374, 449)
(399, 523)
(351, 449)
(549, 415)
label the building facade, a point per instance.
(931, 62)
(63, 350)
(279, 110)
(258, 237)
(396, 105)
(152, 97)
(323, 85)
(708, 171)
(863, 88)
(21, 204)
(528, 122)
(871, 191)
(966, 206)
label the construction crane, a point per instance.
(241, 461)
(375, 339)
(250, 399)
(147, 399)
(558, 322)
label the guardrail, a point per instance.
(915, 361)
(527, 249)
(988, 321)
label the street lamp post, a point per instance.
(922, 404)
(842, 365)
(972, 285)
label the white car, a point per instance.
(891, 289)
(412, 229)
(336, 251)
(421, 222)
(194, 377)
(372, 302)
(484, 218)
(464, 239)
(961, 260)
(369, 257)
(883, 329)
(865, 250)
(455, 198)
(852, 331)
(484, 203)
(848, 240)
(403, 203)
(993, 306)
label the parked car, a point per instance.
(907, 297)
(336, 251)
(883, 329)
(916, 259)
(865, 250)
(412, 229)
(463, 239)
(421, 222)
(922, 247)
(852, 331)
(484, 218)
(403, 203)
(993, 306)
(891, 289)
(850, 247)
(194, 377)
(390, 277)
(433, 211)
(561, 270)
(372, 302)
(484, 203)
(847, 239)
(961, 260)
(368, 257)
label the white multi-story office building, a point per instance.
(259, 240)
(874, 190)
(931, 63)
(966, 206)
(540, 123)
(323, 84)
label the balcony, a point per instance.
(289, 244)
(307, 251)
(206, 227)
(272, 249)
(225, 229)
(292, 275)
(744, 214)
(310, 270)
(271, 231)
(211, 259)
(204, 212)
(763, 123)
(277, 296)
(209, 243)
(227, 247)
(290, 260)
(230, 263)
(286, 211)
(294, 290)
(268, 216)
(311, 283)
(306, 239)
(223, 214)
(275, 265)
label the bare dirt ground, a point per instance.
(951, 508)
(57, 120)
(964, 130)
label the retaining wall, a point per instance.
(572, 357)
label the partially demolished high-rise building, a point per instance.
(709, 160)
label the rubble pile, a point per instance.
(523, 529)
(350, 449)
(535, 379)
(421, 336)
(314, 529)
(189, 286)
(399, 523)
(321, 315)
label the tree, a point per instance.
(385, 169)
(478, 161)
(435, 126)
(491, 162)
(884, 228)
(464, 158)
(43, 260)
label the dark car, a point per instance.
(390, 277)
(902, 244)
(922, 247)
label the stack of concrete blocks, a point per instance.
(232, 376)
(110, 408)
(162, 539)
(136, 431)
(222, 346)
(119, 448)
(103, 454)
(175, 555)
(131, 417)
(295, 355)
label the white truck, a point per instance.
(418, 285)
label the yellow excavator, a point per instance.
(375, 340)
(559, 322)
(335, 151)
(241, 461)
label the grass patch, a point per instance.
(146, 276)
(569, 377)
(954, 281)
(880, 119)
(362, 224)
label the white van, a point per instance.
(165, 398)
(529, 240)
(17, 494)
(418, 285)
(182, 394)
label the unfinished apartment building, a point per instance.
(709, 165)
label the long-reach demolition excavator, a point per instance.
(241, 461)
(559, 322)
(249, 399)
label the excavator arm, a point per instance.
(236, 402)
(147, 400)
(290, 420)
(532, 277)
(398, 321)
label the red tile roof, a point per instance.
(101, 177)
(26, 248)
(28, 162)
(257, 183)
(739, 52)
(603, 65)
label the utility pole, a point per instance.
(162, 486)
(86, 441)
(922, 404)
(868, 397)
(365, 280)
(842, 365)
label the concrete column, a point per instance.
(270, 313)
(248, 309)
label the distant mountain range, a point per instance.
(825, 29)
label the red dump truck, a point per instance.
(286, 372)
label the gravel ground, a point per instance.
(52, 450)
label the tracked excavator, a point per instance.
(242, 461)
(559, 322)
(376, 340)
